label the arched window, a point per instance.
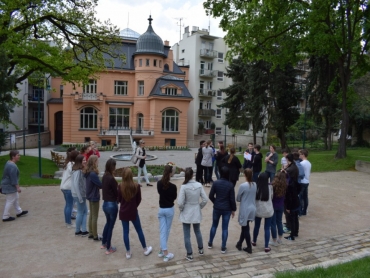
(170, 120)
(88, 118)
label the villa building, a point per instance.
(145, 97)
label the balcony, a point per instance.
(206, 112)
(90, 97)
(207, 93)
(207, 53)
(207, 73)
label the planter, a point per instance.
(210, 131)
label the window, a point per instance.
(170, 120)
(155, 62)
(219, 94)
(147, 63)
(220, 76)
(201, 87)
(171, 91)
(140, 85)
(209, 85)
(218, 113)
(166, 67)
(211, 46)
(209, 105)
(90, 88)
(183, 51)
(140, 62)
(218, 130)
(88, 118)
(160, 63)
(119, 118)
(220, 57)
(120, 88)
(61, 90)
(208, 124)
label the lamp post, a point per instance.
(101, 120)
(40, 79)
(24, 125)
(304, 122)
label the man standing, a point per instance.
(248, 162)
(271, 162)
(198, 161)
(10, 187)
(303, 195)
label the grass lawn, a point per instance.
(29, 169)
(324, 161)
(354, 269)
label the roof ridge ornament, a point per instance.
(150, 19)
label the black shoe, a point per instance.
(289, 237)
(84, 233)
(189, 257)
(148, 184)
(73, 217)
(210, 245)
(223, 250)
(9, 219)
(90, 237)
(78, 233)
(201, 251)
(248, 250)
(97, 239)
(239, 247)
(22, 213)
(296, 235)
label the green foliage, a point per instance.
(356, 268)
(29, 168)
(60, 37)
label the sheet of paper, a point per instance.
(247, 156)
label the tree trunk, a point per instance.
(330, 143)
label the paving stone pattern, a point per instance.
(288, 256)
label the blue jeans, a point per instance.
(126, 231)
(303, 198)
(277, 221)
(225, 225)
(165, 216)
(271, 175)
(139, 174)
(217, 173)
(255, 176)
(110, 210)
(68, 206)
(81, 215)
(257, 228)
(198, 236)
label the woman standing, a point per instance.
(129, 195)
(279, 185)
(167, 195)
(93, 185)
(257, 162)
(220, 154)
(78, 188)
(234, 165)
(93, 150)
(110, 206)
(65, 187)
(141, 155)
(207, 163)
(190, 211)
(247, 210)
(264, 209)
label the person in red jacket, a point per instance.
(129, 196)
(93, 150)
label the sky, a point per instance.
(166, 16)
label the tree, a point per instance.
(60, 37)
(246, 98)
(337, 28)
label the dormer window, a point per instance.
(171, 91)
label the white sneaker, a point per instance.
(169, 256)
(273, 243)
(148, 250)
(74, 210)
(128, 255)
(160, 254)
(70, 226)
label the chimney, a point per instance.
(166, 43)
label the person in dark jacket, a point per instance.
(93, 185)
(110, 206)
(198, 161)
(234, 165)
(222, 196)
(220, 154)
(248, 163)
(257, 162)
(291, 199)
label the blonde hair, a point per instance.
(127, 186)
(92, 165)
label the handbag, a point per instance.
(134, 158)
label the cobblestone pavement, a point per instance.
(290, 256)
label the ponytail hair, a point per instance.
(188, 175)
(232, 154)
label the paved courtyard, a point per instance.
(39, 245)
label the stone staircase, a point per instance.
(124, 143)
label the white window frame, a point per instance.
(170, 91)
(120, 87)
(91, 87)
(220, 59)
(207, 124)
(140, 87)
(88, 120)
(218, 113)
(121, 115)
(218, 130)
(219, 95)
(170, 123)
(208, 104)
(220, 76)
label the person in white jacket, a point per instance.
(65, 187)
(190, 211)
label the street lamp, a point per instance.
(39, 121)
(305, 119)
(101, 127)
